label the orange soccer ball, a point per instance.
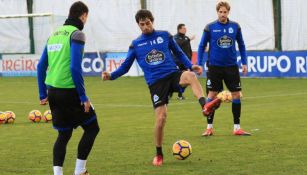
(47, 117)
(182, 149)
(10, 117)
(35, 116)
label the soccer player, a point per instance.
(222, 62)
(152, 50)
(69, 104)
(184, 43)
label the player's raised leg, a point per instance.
(189, 78)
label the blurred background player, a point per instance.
(184, 43)
(70, 107)
(152, 50)
(222, 62)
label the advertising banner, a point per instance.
(275, 64)
(114, 60)
(93, 64)
(260, 64)
(19, 65)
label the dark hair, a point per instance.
(179, 26)
(143, 14)
(77, 9)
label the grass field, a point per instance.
(273, 110)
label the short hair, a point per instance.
(77, 9)
(143, 14)
(222, 4)
(180, 26)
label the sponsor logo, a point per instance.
(65, 33)
(155, 57)
(224, 30)
(230, 30)
(216, 30)
(142, 44)
(225, 42)
(54, 47)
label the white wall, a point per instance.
(294, 24)
(255, 18)
(14, 33)
(110, 27)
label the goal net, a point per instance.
(25, 33)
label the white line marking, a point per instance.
(172, 103)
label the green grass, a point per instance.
(273, 110)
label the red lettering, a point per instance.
(114, 64)
(110, 65)
(35, 64)
(8, 65)
(16, 65)
(29, 65)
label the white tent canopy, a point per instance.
(294, 24)
(256, 22)
(111, 25)
(14, 32)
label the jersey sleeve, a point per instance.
(76, 52)
(125, 66)
(241, 45)
(41, 74)
(202, 45)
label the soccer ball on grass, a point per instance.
(182, 149)
(47, 117)
(10, 117)
(35, 116)
(2, 117)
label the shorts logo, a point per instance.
(209, 82)
(239, 86)
(225, 42)
(92, 106)
(155, 98)
(155, 57)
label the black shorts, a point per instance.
(230, 75)
(162, 88)
(66, 109)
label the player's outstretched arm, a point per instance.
(105, 76)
